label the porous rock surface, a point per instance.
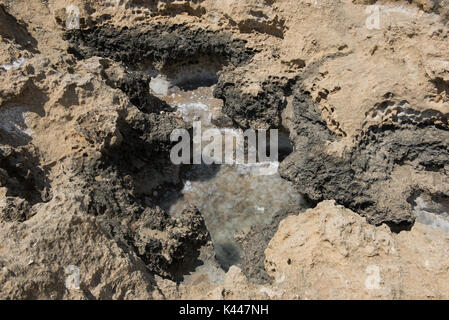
(84, 146)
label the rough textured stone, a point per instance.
(84, 146)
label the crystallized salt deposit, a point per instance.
(160, 85)
(13, 120)
(433, 214)
(267, 168)
(15, 64)
(191, 112)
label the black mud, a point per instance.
(163, 44)
(358, 178)
(263, 110)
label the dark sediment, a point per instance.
(166, 44)
(255, 242)
(356, 179)
(248, 111)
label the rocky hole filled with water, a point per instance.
(231, 198)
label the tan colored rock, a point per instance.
(332, 253)
(42, 257)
